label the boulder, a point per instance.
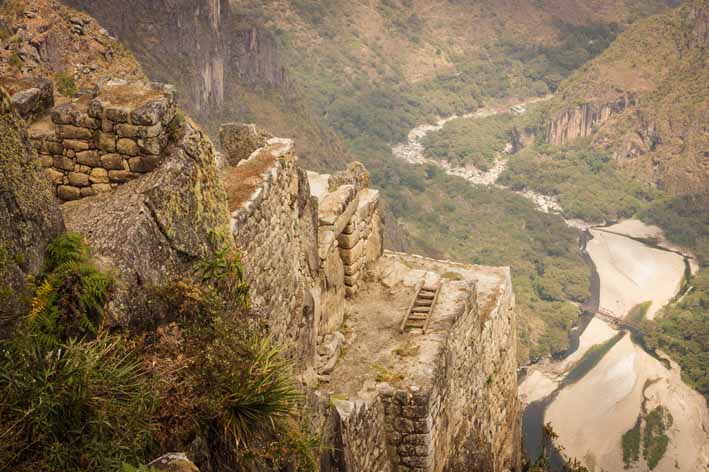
(158, 225)
(173, 462)
(239, 140)
(30, 216)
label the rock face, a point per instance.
(156, 226)
(645, 103)
(31, 96)
(29, 214)
(240, 140)
(48, 39)
(201, 46)
(582, 120)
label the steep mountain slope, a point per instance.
(352, 78)
(646, 100)
(45, 38)
(297, 66)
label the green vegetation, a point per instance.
(631, 444)
(464, 141)
(682, 328)
(655, 440)
(90, 396)
(682, 331)
(591, 359)
(62, 388)
(587, 183)
(495, 227)
(65, 84)
(71, 293)
(203, 369)
(638, 312)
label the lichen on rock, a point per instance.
(29, 214)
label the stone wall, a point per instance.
(93, 144)
(466, 417)
(273, 222)
(303, 253)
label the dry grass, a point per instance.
(243, 180)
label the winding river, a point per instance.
(591, 413)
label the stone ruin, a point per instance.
(98, 141)
(312, 245)
(386, 398)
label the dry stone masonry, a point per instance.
(95, 143)
(312, 246)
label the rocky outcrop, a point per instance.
(29, 214)
(31, 96)
(50, 40)
(157, 226)
(582, 120)
(239, 140)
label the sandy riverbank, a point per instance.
(632, 273)
(591, 415)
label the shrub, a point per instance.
(71, 293)
(79, 406)
(250, 388)
(66, 85)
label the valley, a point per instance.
(596, 393)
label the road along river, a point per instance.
(591, 403)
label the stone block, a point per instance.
(351, 280)
(351, 256)
(70, 153)
(78, 179)
(127, 146)
(117, 115)
(52, 147)
(54, 175)
(75, 144)
(45, 160)
(88, 158)
(107, 142)
(121, 176)
(112, 161)
(63, 162)
(101, 188)
(153, 146)
(348, 241)
(83, 120)
(87, 192)
(354, 268)
(108, 126)
(143, 164)
(149, 114)
(73, 132)
(99, 176)
(135, 132)
(67, 193)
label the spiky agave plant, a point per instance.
(251, 386)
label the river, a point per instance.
(591, 414)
